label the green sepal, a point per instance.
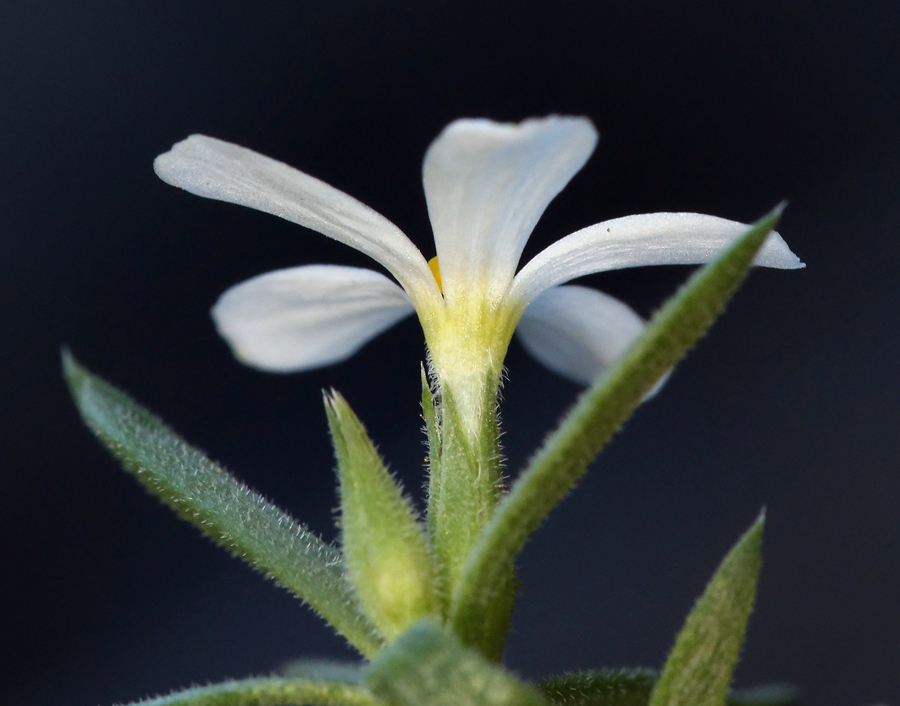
(270, 691)
(223, 508)
(428, 666)
(604, 687)
(698, 670)
(597, 415)
(385, 549)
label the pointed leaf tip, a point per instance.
(698, 670)
(73, 372)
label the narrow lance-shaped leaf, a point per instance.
(698, 671)
(268, 692)
(385, 549)
(428, 666)
(224, 509)
(597, 415)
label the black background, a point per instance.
(717, 107)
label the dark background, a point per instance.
(717, 107)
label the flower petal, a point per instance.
(220, 170)
(307, 317)
(578, 332)
(487, 185)
(633, 241)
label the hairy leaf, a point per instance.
(698, 670)
(222, 507)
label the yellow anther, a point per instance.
(433, 264)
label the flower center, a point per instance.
(433, 264)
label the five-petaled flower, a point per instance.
(486, 186)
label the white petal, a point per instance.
(578, 332)
(306, 317)
(633, 241)
(487, 185)
(220, 170)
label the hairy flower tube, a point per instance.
(486, 186)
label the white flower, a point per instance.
(486, 185)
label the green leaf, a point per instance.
(597, 415)
(606, 687)
(386, 551)
(428, 666)
(222, 507)
(268, 692)
(698, 671)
